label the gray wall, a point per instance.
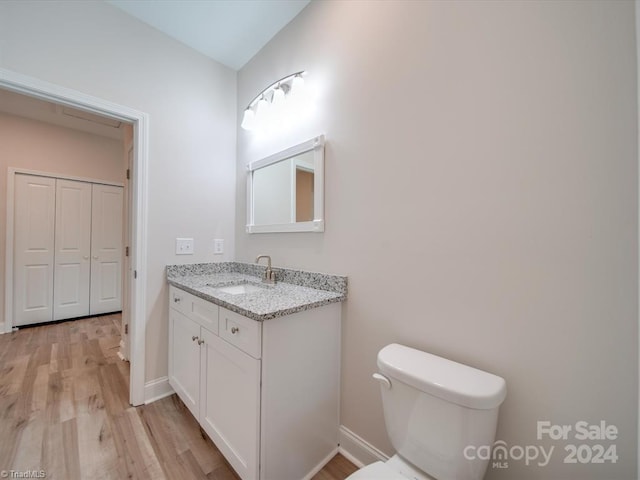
(481, 195)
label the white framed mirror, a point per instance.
(285, 191)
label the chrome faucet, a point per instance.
(269, 275)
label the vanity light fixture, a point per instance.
(273, 103)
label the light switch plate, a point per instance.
(184, 246)
(218, 246)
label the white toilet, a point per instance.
(433, 409)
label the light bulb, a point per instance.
(297, 84)
(278, 97)
(262, 108)
(277, 108)
(263, 114)
(297, 100)
(248, 120)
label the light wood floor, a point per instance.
(64, 411)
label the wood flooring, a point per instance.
(64, 413)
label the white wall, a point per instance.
(191, 101)
(481, 195)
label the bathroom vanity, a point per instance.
(259, 365)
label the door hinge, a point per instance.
(126, 329)
(135, 274)
(128, 174)
(126, 251)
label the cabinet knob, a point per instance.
(176, 299)
(234, 330)
(194, 338)
(95, 257)
(86, 257)
(200, 342)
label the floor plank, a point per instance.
(64, 410)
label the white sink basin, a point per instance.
(241, 289)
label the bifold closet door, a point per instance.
(34, 224)
(106, 249)
(72, 274)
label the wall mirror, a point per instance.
(286, 190)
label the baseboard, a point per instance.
(321, 465)
(157, 389)
(120, 354)
(357, 450)
(6, 327)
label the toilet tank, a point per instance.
(435, 408)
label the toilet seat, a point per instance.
(376, 471)
(395, 468)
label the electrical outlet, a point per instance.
(184, 246)
(218, 246)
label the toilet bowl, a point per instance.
(433, 409)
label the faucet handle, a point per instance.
(269, 275)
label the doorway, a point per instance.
(138, 229)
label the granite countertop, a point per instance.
(297, 291)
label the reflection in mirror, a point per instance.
(285, 190)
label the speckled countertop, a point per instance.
(294, 291)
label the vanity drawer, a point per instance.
(205, 313)
(179, 300)
(197, 309)
(242, 332)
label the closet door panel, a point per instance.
(106, 249)
(72, 249)
(34, 224)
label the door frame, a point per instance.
(32, 87)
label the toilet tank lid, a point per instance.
(446, 379)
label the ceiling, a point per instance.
(29, 107)
(228, 31)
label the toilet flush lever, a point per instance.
(382, 379)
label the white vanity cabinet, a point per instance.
(267, 393)
(230, 404)
(190, 318)
(184, 360)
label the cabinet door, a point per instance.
(184, 359)
(230, 403)
(106, 249)
(72, 249)
(33, 249)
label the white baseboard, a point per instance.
(3, 328)
(120, 354)
(357, 450)
(6, 327)
(321, 465)
(157, 389)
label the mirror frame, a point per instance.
(316, 145)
